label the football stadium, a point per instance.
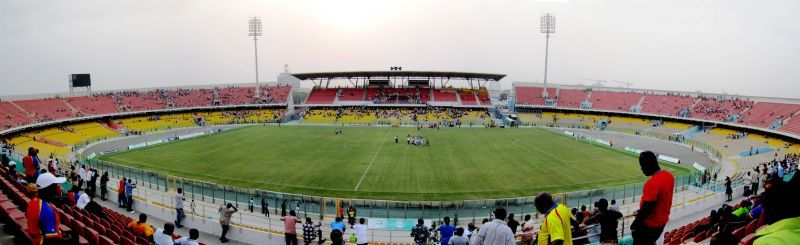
(346, 153)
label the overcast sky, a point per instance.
(734, 46)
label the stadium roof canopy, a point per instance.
(402, 77)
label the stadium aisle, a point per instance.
(206, 238)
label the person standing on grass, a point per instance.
(655, 203)
(225, 213)
(446, 230)
(290, 227)
(179, 208)
(129, 195)
(103, 186)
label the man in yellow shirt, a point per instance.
(556, 227)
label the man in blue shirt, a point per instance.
(129, 194)
(338, 225)
(446, 230)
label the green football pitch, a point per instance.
(459, 164)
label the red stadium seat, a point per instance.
(748, 240)
(126, 241)
(92, 236)
(104, 240)
(113, 235)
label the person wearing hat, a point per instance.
(43, 219)
(12, 169)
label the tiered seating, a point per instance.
(236, 96)
(614, 101)
(320, 116)
(467, 97)
(483, 97)
(571, 98)
(444, 95)
(718, 110)
(278, 94)
(93, 130)
(46, 109)
(352, 94)
(192, 97)
(11, 116)
(424, 95)
(93, 105)
(322, 96)
(764, 114)
(793, 126)
(142, 101)
(533, 95)
(669, 105)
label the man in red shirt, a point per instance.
(121, 193)
(31, 164)
(656, 201)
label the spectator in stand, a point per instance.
(309, 231)
(251, 204)
(527, 230)
(608, 222)
(104, 186)
(446, 230)
(140, 227)
(179, 208)
(351, 215)
(781, 213)
(225, 213)
(264, 209)
(337, 224)
(743, 211)
(495, 232)
(290, 227)
(556, 226)
(458, 238)
(728, 189)
(121, 192)
(129, 195)
(163, 236)
(512, 223)
(43, 219)
(81, 176)
(753, 181)
(4, 152)
(361, 232)
(420, 233)
(655, 203)
(92, 183)
(83, 200)
(194, 234)
(29, 162)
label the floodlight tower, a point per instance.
(255, 32)
(547, 26)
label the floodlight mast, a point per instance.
(547, 26)
(255, 32)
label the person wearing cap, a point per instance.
(43, 219)
(12, 169)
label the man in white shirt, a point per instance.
(163, 236)
(179, 208)
(83, 200)
(361, 232)
(194, 234)
(495, 232)
(81, 176)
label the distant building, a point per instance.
(286, 78)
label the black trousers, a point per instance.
(291, 239)
(646, 235)
(224, 232)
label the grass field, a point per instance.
(460, 164)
